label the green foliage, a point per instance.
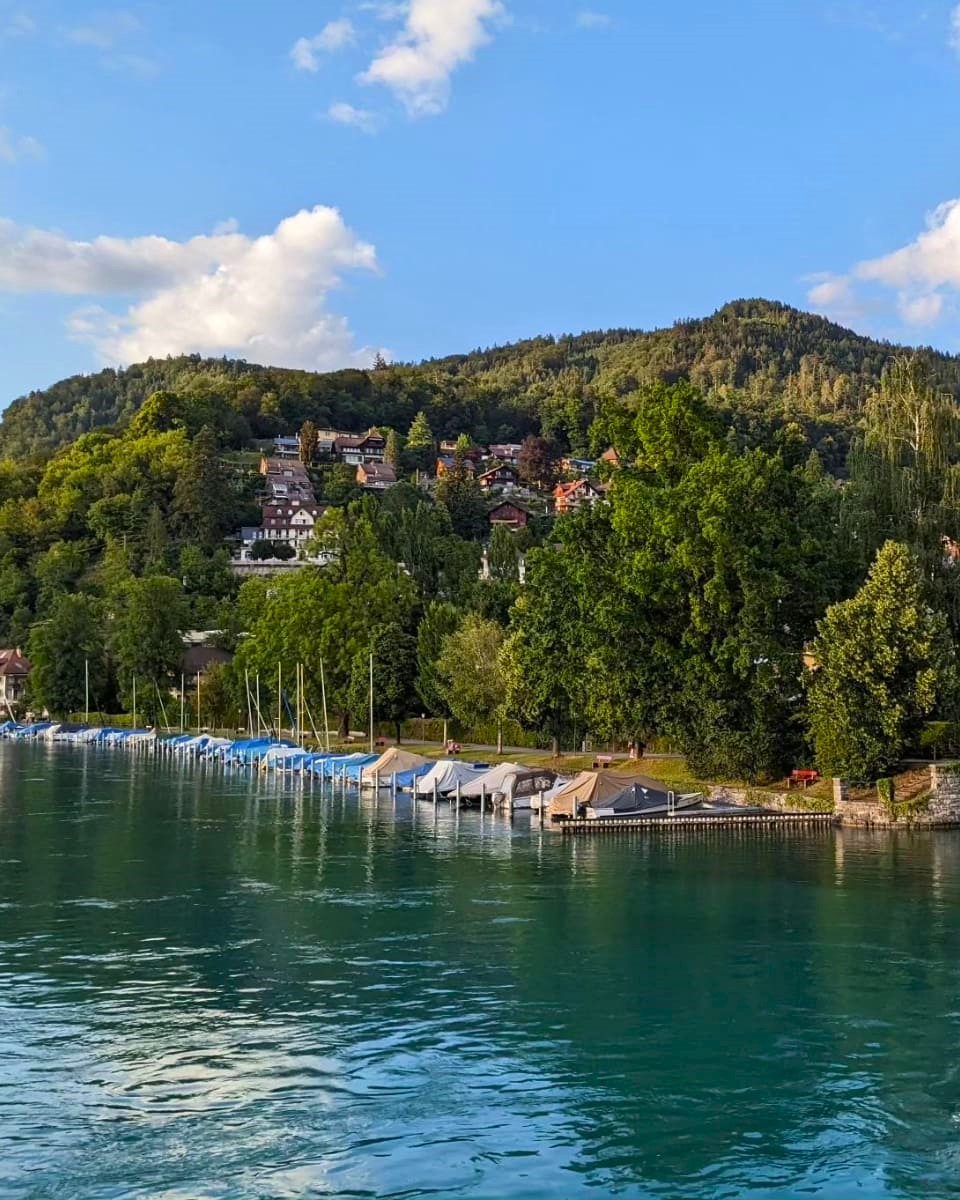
(470, 672)
(886, 793)
(885, 662)
(440, 620)
(460, 495)
(394, 671)
(147, 639)
(503, 555)
(309, 441)
(62, 648)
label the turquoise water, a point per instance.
(212, 986)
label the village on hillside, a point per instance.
(520, 482)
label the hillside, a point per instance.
(764, 364)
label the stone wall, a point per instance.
(945, 792)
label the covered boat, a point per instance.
(510, 785)
(599, 794)
(447, 774)
(393, 761)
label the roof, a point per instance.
(563, 490)
(13, 662)
(379, 472)
(198, 659)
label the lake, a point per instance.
(213, 985)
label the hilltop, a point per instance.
(764, 364)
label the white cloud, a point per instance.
(359, 118)
(263, 298)
(922, 274)
(588, 18)
(16, 148)
(955, 29)
(438, 37)
(19, 24)
(334, 36)
(105, 29)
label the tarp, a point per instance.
(393, 761)
(447, 773)
(515, 783)
(600, 790)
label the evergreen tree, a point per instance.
(421, 447)
(201, 499)
(393, 449)
(309, 442)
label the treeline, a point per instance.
(770, 371)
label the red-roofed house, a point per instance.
(14, 673)
(571, 497)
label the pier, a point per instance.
(702, 820)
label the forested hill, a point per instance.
(765, 364)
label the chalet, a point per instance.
(507, 452)
(14, 673)
(376, 477)
(509, 514)
(289, 521)
(571, 497)
(503, 476)
(445, 464)
(286, 447)
(610, 457)
(369, 447)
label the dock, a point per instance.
(702, 820)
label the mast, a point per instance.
(86, 691)
(371, 703)
(326, 721)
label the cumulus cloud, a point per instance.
(438, 37)
(588, 18)
(16, 148)
(19, 24)
(919, 278)
(359, 118)
(334, 36)
(263, 298)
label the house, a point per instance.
(571, 497)
(14, 673)
(376, 477)
(611, 457)
(503, 476)
(289, 521)
(286, 480)
(508, 452)
(369, 447)
(197, 660)
(509, 514)
(577, 466)
(286, 447)
(445, 464)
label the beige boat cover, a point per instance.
(595, 788)
(393, 761)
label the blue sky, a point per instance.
(304, 183)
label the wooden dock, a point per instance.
(720, 820)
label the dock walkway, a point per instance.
(719, 820)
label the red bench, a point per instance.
(803, 778)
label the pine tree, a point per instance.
(201, 500)
(393, 449)
(308, 443)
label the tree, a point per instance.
(440, 620)
(393, 449)
(394, 671)
(884, 662)
(62, 649)
(459, 493)
(309, 441)
(537, 464)
(147, 639)
(156, 542)
(503, 555)
(471, 674)
(219, 702)
(201, 496)
(421, 445)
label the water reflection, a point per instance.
(212, 984)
